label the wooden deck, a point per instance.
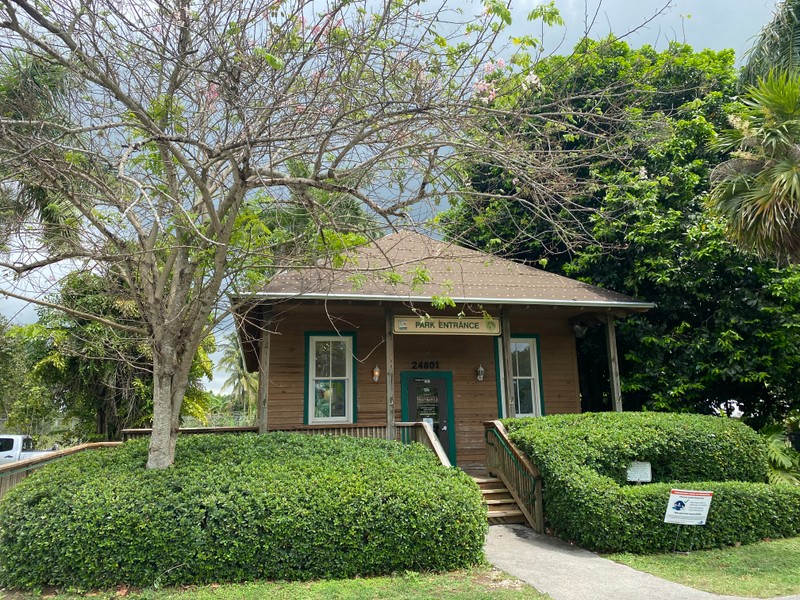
(405, 432)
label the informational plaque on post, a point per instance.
(640, 472)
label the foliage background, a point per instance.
(725, 331)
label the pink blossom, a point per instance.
(481, 86)
(212, 93)
(299, 109)
(500, 63)
(488, 68)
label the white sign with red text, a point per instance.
(688, 507)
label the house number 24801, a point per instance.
(425, 364)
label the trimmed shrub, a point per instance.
(238, 508)
(584, 458)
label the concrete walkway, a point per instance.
(569, 573)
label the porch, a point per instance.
(422, 433)
(510, 484)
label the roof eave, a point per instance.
(634, 305)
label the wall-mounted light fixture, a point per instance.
(376, 374)
(580, 329)
(480, 372)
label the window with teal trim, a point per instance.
(330, 374)
(525, 371)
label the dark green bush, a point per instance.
(236, 508)
(583, 460)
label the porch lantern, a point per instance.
(481, 372)
(580, 329)
(376, 374)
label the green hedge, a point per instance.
(237, 508)
(583, 460)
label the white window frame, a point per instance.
(535, 377)
(312, 379)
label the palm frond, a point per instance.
(757, 191)
(784, 461)
(777, 46)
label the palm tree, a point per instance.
(777, 47)
(32, 91)
(241, 384)
(757, 191)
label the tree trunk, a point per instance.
(170, 379)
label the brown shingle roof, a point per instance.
(427, 267)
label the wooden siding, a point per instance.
(474, 401)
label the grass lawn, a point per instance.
(479, 583)
(763, 570)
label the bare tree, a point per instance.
(182, 121)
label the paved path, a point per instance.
(569, 573)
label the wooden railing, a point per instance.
(422, 433)
(404, 432)
(130, 434)
(354, 430)
(519, 475)
(12, 473)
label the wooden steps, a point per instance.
(502, 507)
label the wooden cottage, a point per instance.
(415, 329)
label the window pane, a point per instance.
(322, 359)
(339, 356)
(523, 393)
(322, 399)
(329, 399)
(521, 351)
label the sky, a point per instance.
(715, 24)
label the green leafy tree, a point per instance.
(93, 373)
(725, 328)
(25, 404)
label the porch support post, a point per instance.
(613, 363)
(263, 373)
(505, 330)
(390, 433)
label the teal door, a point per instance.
(428, 397)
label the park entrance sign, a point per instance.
(688, 507)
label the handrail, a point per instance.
(427, 437)
(517, 472)
(12, 473)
